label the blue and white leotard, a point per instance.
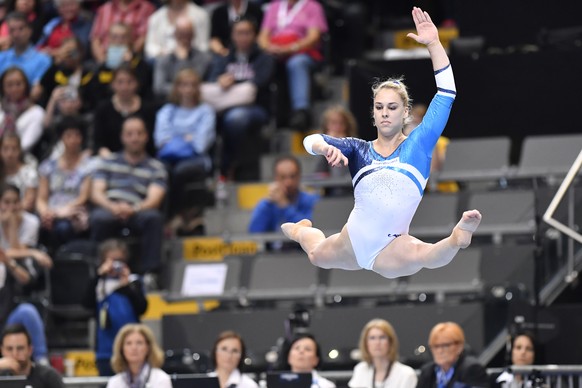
(388, 190)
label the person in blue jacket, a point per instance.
(118, 298)
(285, 202)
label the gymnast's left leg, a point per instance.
(406, 254)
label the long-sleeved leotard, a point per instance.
(388, 190)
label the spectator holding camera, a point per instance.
(116, 296)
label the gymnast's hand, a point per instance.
(334, 157)
(426, 31)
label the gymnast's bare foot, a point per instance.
(463, 232)
(291, 229)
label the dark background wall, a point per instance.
(505, 88)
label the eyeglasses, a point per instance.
(445, 346)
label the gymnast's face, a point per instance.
(389, 112)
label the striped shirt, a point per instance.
(135, 15)
(129, 183)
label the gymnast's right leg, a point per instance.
(334, 251)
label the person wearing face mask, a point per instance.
(379, 367)
(118, 52)
(304, 356)
(228, 355)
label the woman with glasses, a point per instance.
(228, 355)
(379, 367)
(450, 366)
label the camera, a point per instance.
(117, 267)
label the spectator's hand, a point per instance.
(7, 363)
(42, 258)
(334, 157)
(4, 258)
(46, 219)
(278, 195)
(104, 152)
(226, 80)
(125, 211)
(426, 31)
(65, 212)
(4, 43)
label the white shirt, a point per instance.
(27, 233)
(28, 126)
(320, 382)
(401, 376)
(158, 379)
(160, 39)
(238, 380)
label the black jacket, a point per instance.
(468, 373)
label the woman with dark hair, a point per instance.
(15, 171)
(523, 352)
(304, 356)
(64, 186)
(18, 114)
(228, 355)
(110, 114)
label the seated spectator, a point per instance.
(303, 356)
(228, 356)
(291, 31)
(64, 186)
(133, 13)
(124, 102)
(16, 172)
(119, 52)
(17, 349)
(285, 201)
(19, 229)
(339, 122)
(184, 55)
(71, 22)
(450, 366)
(523, 352)
(185, 131)
(20, 263)
(137, 359)
(224, 16)
(71, 70)
(116, 296)
(64, 103)
(18, 114)
(22, 53)
(160, 39)
(240, 88)
(33, 11)
(379, 366)
(127, 190)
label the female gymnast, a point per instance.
(389, 175)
